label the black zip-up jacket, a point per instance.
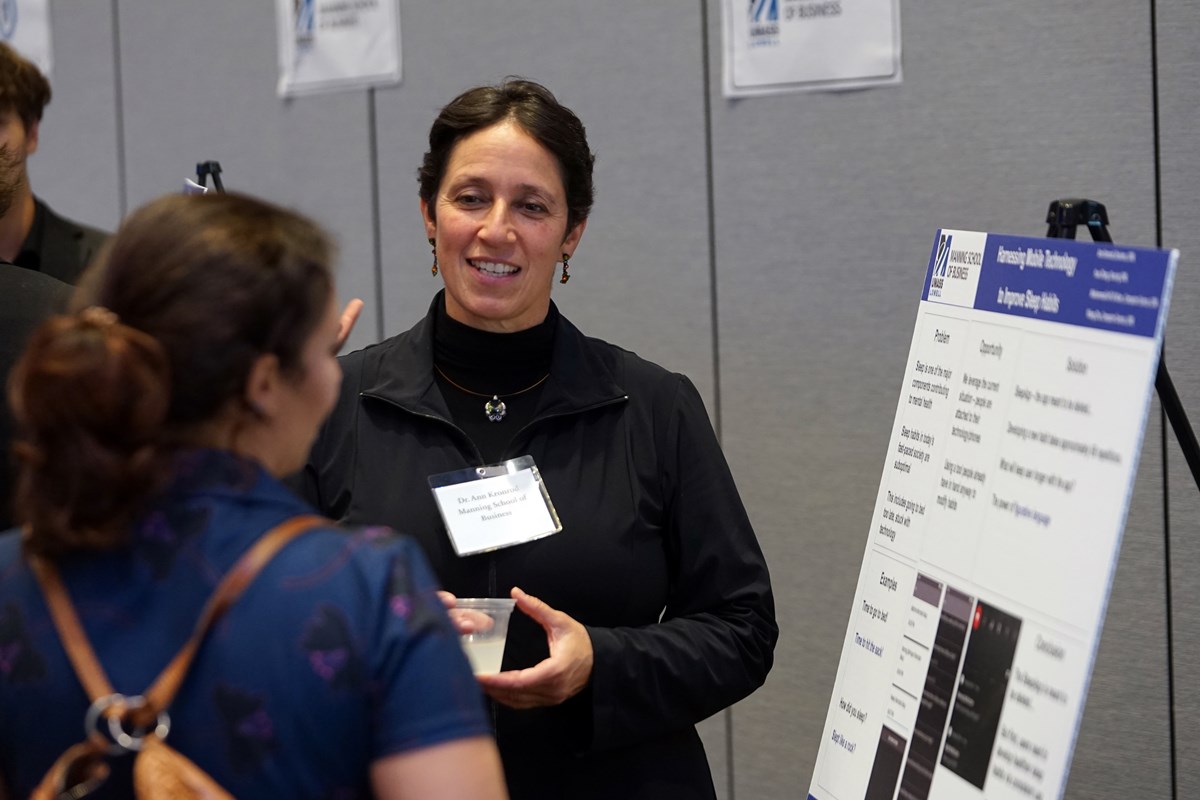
(656, 558)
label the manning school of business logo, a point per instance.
(304, 15)
(957, 260)
(763, 16)
(764, 11)
(8, 19)
(943, 256)
(940, 263)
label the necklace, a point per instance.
(494, 408)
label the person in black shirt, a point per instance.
(26, 298)
(31, 234)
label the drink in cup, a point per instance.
(483, 627)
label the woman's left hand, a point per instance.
(554, 680)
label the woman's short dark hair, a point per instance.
(181, 302)
(531, 106)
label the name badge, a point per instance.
(494, 506)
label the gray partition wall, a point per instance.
(1179, 103)
(772, 248)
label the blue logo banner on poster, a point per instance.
(1096, 285)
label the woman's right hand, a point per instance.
(465, 620)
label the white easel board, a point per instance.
(998, 521)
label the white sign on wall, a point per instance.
(326, 45)
(774, 46)
(998, 521)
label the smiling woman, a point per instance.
(653, 606)
(499, 221)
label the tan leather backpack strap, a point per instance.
(162, 691)
(70, 631)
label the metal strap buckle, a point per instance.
(123, 741)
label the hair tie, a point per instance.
(99, 317)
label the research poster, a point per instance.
(998, 521)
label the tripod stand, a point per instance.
(1063, 217)
(206, 168)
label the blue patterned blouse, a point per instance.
(338, 654)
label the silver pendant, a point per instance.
(495, 409)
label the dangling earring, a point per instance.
(565, 276)
(433, 245)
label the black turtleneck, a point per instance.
(485, 363)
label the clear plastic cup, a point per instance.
(483, 628)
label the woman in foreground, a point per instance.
(154, 424)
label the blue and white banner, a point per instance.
(1101, 286)
(25, 25)
(327, 45)
(774, 46)
(998, 521)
